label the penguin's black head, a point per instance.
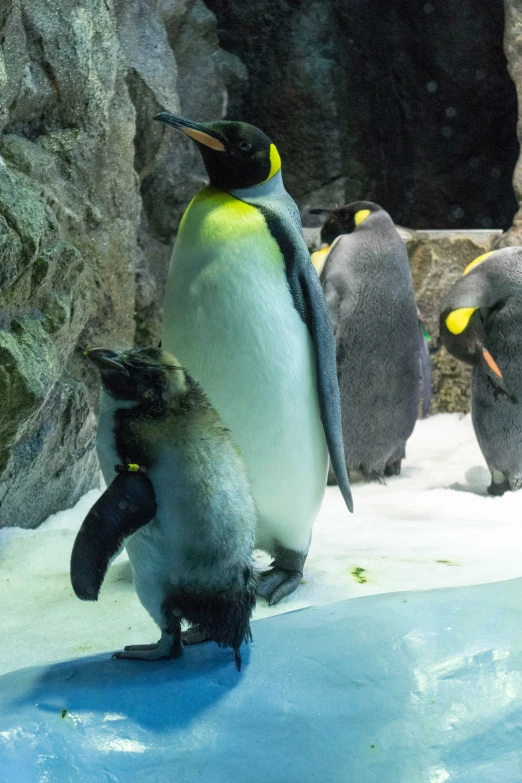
(345, 219)
(235, 154)
(145, 376)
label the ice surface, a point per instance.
(416, 687)
(434, 526)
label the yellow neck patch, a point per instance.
(459, 319)
(361, 215)
(275, 162)
(476, 262)
(215, 216)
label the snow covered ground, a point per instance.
(434, 526)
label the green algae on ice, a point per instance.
(359, 574)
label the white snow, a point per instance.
(434, 526)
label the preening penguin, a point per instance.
(481, 324)
(380, 346)
(181, 504)
(245, 313)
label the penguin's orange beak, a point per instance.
(491, 363)
(195, 130)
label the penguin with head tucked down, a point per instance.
(481, 324)
(381, 349)
(245, 313)
(181, 504)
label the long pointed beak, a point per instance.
(105, 359)
(320, 211)
(195, 130)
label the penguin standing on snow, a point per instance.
(181, 503)
(381, 350)
(245, 313)
(481, 324)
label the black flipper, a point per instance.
(309, 301)
(127, 504)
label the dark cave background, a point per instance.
(405, 103)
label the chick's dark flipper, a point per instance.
(127, 504)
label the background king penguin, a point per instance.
(245, 314)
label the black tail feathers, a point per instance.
(224, 615)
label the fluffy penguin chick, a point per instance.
(381, 351)
(182, 505)
(480, 324)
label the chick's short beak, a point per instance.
(105, 359)
(195, 130)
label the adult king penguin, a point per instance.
(481, 324)
(245, 314)
(381, 351)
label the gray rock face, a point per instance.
(406, 104)
(90, 198)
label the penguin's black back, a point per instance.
(369, 290)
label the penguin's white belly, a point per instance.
(158, 551)
(230, 320)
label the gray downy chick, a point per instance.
(181, 504)
(481, 324)
(381, 351)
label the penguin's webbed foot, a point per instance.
(393, 468)
(169, 646)
(283, 576)
(277, 583)
(498, 489)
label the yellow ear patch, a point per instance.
(476, 262)
(275, 162)
(459, 319)
(361, 215)
(319, 258)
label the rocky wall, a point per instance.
(91, 192)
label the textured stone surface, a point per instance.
(69, 203)
(407, 104)
(91, 192)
